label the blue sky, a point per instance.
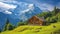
(15, 9)
(44, 4)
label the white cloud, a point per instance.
(7, 12)
(5, 7)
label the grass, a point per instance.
(29, 29)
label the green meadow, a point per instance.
(29, 29)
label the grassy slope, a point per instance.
(34, 29)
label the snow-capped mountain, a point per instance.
(31, 13)
(16, 11)
(25, 11)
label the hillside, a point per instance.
(28, 29)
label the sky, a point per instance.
(44, 4)
(15, 9)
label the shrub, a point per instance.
(22, 23)
(10, 27)
(52, 19)
(0, 30)
(56, 32)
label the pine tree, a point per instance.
(5, 27)
(54, 11)
(8, 26)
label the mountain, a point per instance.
(30, 13)
(16, 12)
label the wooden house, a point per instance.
(36, 21)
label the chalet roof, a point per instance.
(40, 18)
